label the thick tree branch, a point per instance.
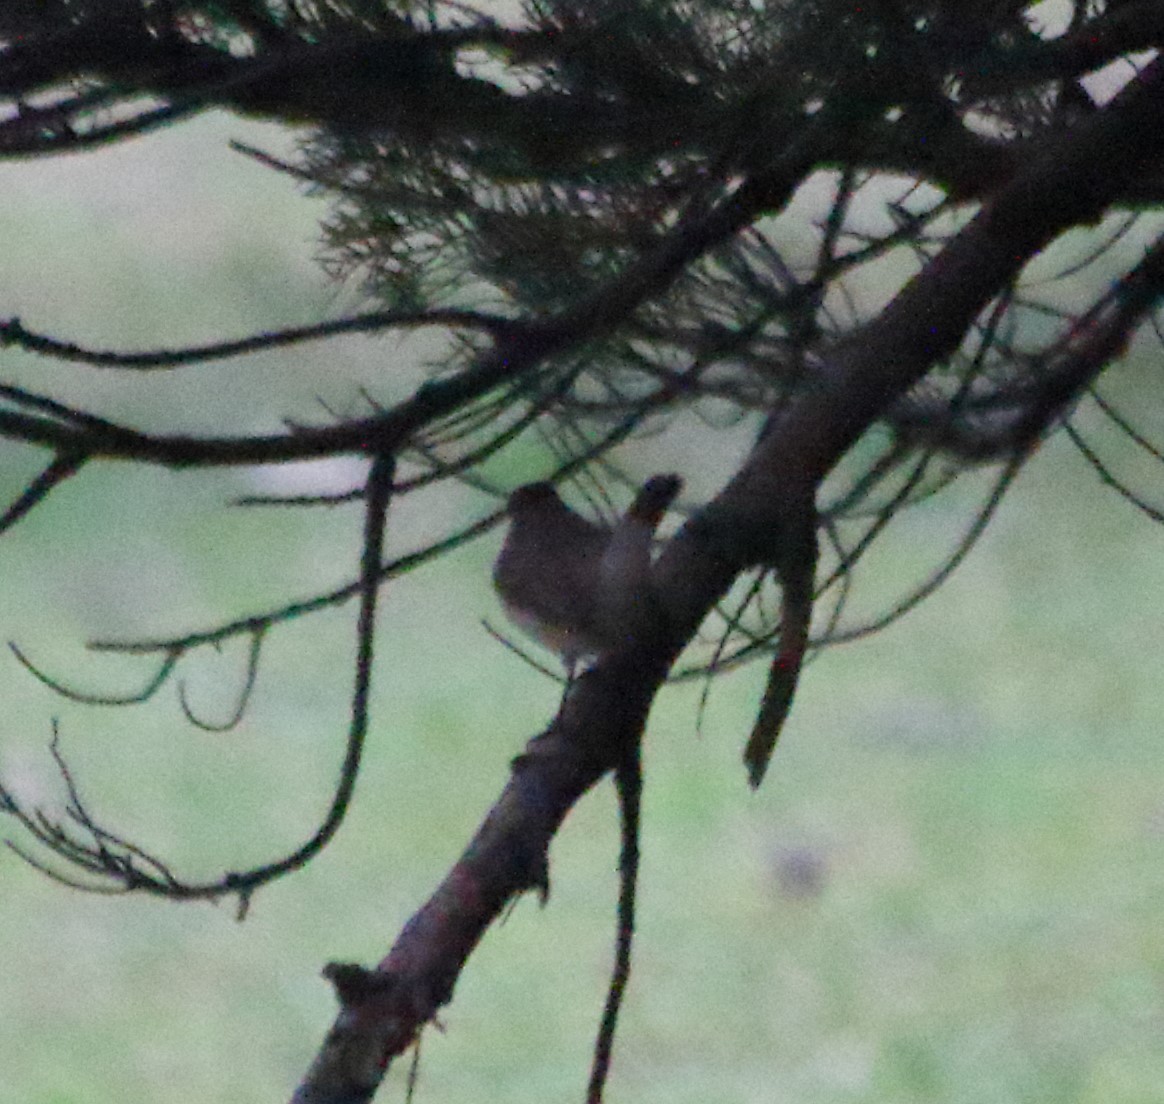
(1072, 181)
(1129, 28)
(766, 516)
(600, 719)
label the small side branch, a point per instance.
(795, 564)
(628, 779)
(121, 866)
(13, 332)
(135, 697)
(244, 696)
(63, 466)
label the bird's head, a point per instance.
(533, 499)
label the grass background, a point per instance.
(947, 891)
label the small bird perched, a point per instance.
(578, 588)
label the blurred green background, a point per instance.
(948, 889)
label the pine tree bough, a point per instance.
(614, 191)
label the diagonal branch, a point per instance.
(382, 1011)
(63, 466)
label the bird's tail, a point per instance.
(656, 495)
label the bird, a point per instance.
(580, 589)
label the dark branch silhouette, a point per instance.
(615, 185)
(122, 866)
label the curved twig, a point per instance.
(522, 654)
(252, 674)
(173, 653)
(294, 610)
(1125, 427)
(967, 542)
(123, 864)
(12, 332)
(1108, 477)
